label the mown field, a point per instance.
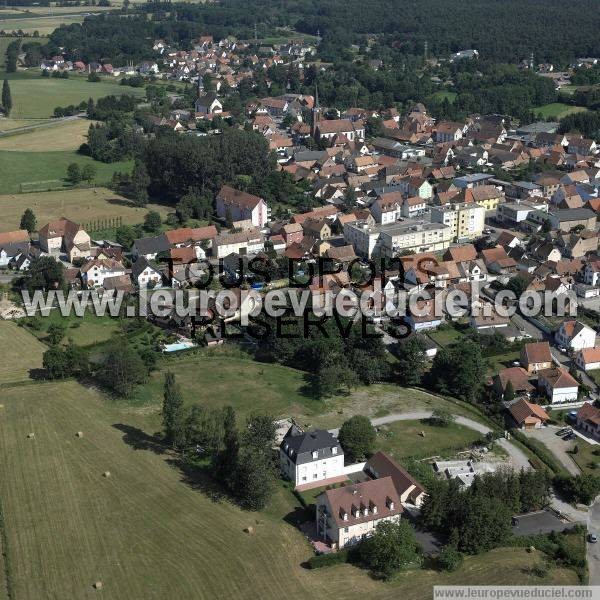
(556, 110)
(36, 97)
(420, 439)
(81, 206)
(152, 531)
(41, 171)
(51, 137)
(44, 25)
(23, 353)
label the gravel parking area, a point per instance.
(556, 445)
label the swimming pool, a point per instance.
(178, 346)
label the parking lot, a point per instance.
(543, 521)
(556, 445)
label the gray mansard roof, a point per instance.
(299, 445)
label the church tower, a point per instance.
(316, 112)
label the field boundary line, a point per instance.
(7, 585)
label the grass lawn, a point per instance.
(36, 97)
(501, 361)
(445, 336)
(53, 136)
(84, 331)
(10, 124)
(41, 171)
(67, 526)
(24, 353)
(450, 96)
(585, 458)
(80, 205)
(403, 439)
(556, 110)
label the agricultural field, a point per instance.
(36, 97)
(420, 439)
(52, 136)
(41, 171)
(79, 205)
(44, 25)
(556, 110)
(68, 526)
(25, 354)
(9, 124)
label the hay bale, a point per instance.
(98, 585)
(31, 435)
(531, 549)
(79, 434)
(249, 530)
(422, 434)
(106, 474)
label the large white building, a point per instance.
(391, 238)
(575, 335)
(242, 242)
(465, 219)
(235, 205)
(311, 456)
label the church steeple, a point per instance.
(316, 111)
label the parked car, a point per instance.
(564, 431)
(569, 436)
(592, 538)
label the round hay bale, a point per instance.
(31, 435)
(249, 529)
(106, 474)
(98, 585)
(79, 434)
(422, 434)
(531, 549)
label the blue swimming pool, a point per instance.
(178, 346)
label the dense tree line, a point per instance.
(585, 123)
(177, 164)
(501, 30)
(478, 518)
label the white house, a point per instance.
(207, 104)
(235, 205)
(12, 244)
(413, 207)
(575, 335)
(588, 359)
(146, 274)
(558, 385)
(346, 515)
(95, 271)
(387, 208)
(311, 456)
(591, 272)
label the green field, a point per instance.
(556, 110)
(23, 352)
(47, 136)
(40, 171)
(403, 439)
(215, 379)
(44, 25)
(151, 531)
(36, 97)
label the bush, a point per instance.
(328, 560)
(450, 559)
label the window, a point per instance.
(315, 454)
(346, 529)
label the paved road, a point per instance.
(34, 127)
(593, 551)
(556, 445)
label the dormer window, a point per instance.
(373, 508)
(389, 503)
(315, 454)
(343, 514)
(334, 450)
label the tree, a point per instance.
(55, 363)
(73, 173)
(254, 478)
(139, 184)
(122, 369)
(225, 461)
(45, 273)
(172, 411)
(459, 370)
(125, 236)
(88, 173)
(581, 488)
(6, 98)
(484, 524)
(56, 333)
(509, 392)
(152, 221)
(450, 559)
(442, 417)
(412, 361)
(28, 221)
(392, 547)
(357, 437)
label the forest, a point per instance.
(501, 30)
